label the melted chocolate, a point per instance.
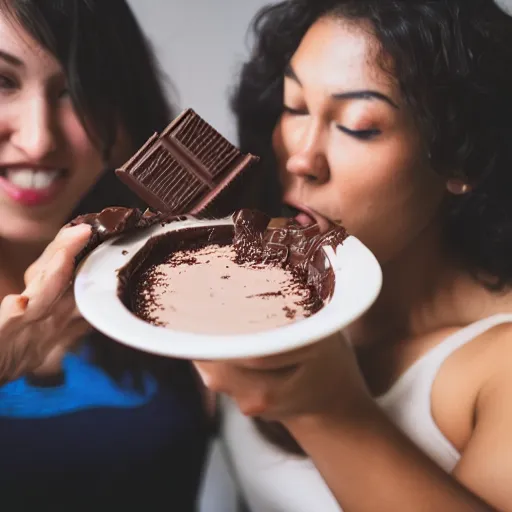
(256, 238)
(158, 248)
(260, 238)
(115, 221)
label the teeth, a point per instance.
(22, 179)
(41, 180)
(30, 179)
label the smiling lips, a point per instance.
(31, 187)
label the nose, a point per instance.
(308, 156)
(33, 134)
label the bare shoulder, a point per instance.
(469, 380)
(485, 463)
(496, 346)
(497, 349)
(486, 362)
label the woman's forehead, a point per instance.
(343, 55)
(23, 51)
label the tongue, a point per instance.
(304, 219)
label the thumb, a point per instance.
(69, 239)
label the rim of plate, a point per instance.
(358, 280)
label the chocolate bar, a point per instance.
(185, 168)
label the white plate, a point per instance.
(358, 280)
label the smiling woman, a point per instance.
(66, 115)
(79, 415)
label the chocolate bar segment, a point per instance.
(182, 170)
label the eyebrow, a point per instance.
(11, 59)
(365, 94)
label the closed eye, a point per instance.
(7, 83)
(295, 111)
(360, 134)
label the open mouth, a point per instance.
(32, 179)
(305, 216)
(27, 186)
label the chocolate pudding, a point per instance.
(207, 291)
(231, 279)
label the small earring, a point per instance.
(458, 187)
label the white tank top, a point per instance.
(273, 481)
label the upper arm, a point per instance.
(486, 464)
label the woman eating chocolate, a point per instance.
(392, 117)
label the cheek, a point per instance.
(279, 146)
(86, 159)
(386, 195)
(285, 141)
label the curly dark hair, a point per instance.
(452, 60)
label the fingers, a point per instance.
(276, 386)
(53, 347)
(49, 285)
(12, 308)
(75, 330)
(215, 376)
(52, 362)
(18, 355)
(249, 389)
(61, 321)
(70, 239)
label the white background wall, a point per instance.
(201, 44)
(507, 4)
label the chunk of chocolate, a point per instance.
(258, 236)
(185, 168)
(114, 221)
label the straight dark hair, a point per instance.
(112, 76)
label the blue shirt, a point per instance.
(91, 441)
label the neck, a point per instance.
(425, 289)
(15, 258)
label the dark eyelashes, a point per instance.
(295, 111)
(7, 82)
(10, 85)
(358, 134)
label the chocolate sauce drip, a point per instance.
(259, 238)
(115, 221)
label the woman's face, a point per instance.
(47, 161)
(346, 145)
